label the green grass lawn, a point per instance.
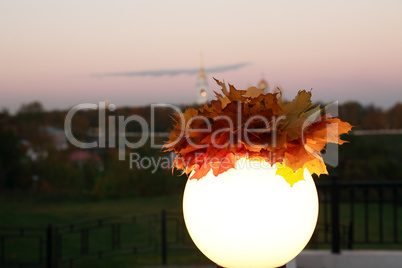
(40, 214)
(33, 214)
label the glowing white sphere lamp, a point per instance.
(250, 217)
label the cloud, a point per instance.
(173, 72)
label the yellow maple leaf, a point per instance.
(289, 175)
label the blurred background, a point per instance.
(58, 54)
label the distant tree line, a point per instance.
(371, 117)
(31, 165)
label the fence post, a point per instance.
(163, 237)
(49, 246)
(335, 247)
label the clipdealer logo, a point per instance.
(118, 125)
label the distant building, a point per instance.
(80, 157)
(33, 152)
(202, 87)
(58, 137)
(263, 85)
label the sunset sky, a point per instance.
(54, 51)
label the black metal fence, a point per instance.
(359, 214)
(70, 244)
(13, 237)
(351, 214)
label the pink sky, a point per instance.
(344, 50)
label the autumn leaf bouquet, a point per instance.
(253, 125)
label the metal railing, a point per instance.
(359, 213)
(351, 214)
(23, 236)
(70, 244)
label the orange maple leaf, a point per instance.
(251, 124)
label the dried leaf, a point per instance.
(254, 125)
(289, 175)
